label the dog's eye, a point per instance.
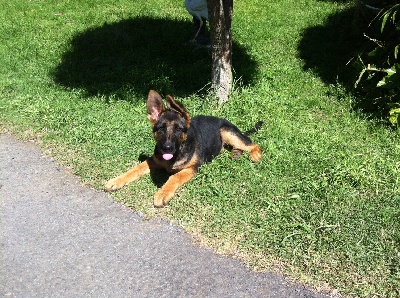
(179, 129)
(162, 128)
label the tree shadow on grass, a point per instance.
(327, 49)
(331, 50)
(135, 55)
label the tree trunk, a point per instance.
(220, 18)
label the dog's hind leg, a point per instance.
(232, 136)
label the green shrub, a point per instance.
(379, 79)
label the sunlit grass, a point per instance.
(323, 204)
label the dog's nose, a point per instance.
(168, 147)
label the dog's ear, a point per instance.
(155, 106)
(178, 107)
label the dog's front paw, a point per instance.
(161, 198)
(114, 184)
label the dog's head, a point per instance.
(170, 124)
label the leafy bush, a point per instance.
(379, 79)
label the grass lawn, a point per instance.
(323, 205)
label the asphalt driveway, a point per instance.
(60, 239)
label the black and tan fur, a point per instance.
(191, 142)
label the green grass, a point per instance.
(323, 205)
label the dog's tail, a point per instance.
(254, 129)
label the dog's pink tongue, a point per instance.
(167, 156)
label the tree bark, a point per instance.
(220, 18)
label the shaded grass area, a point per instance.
(328, 48)
(141, 53)
(331, 50)
(323, 204)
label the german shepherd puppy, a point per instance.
(183, 144)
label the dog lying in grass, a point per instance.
(183, 144)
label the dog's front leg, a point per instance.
(131, 175)
(162, 197)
